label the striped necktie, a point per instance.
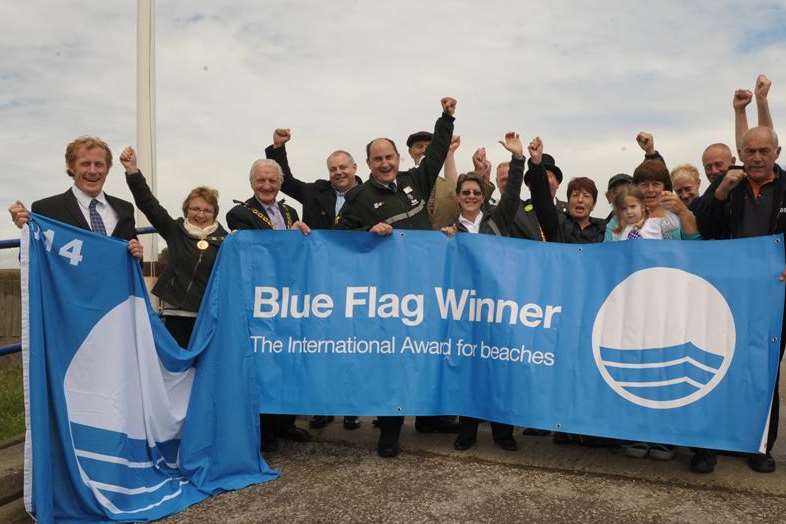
(96, 224)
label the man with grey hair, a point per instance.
(322, 199)
(261, 211)
(747, 202)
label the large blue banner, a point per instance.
(107, 387)
(671, 342)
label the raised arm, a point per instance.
(505, 213)
(144, 199)
(426, 173)
(761, 90)
(482, 167)
(450, 171)
(545, 209)
(742, 97)
(278, 151)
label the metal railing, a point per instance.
(9, 349)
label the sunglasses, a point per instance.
(467, 192)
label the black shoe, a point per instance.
(269, 445)
(387, 446)
(351, 423)
(532, 432)
(464, 442)
(596, 442)
(561, 439)
(508, 444)
(762, 463)
(295, 434)
(703, 462)
(320, 421)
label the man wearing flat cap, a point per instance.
(526, 224)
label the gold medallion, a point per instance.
(202, 245)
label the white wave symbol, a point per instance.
(125, 412)
(664, 338)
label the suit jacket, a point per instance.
(242, 217)
(526, 223)
(318, 198)
(65, 208)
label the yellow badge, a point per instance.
(528, 208)
(202, 245)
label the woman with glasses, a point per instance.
(477, 217)
(192, 241)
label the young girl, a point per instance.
(633, 221)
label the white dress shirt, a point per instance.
(106, 212)
(472, 227)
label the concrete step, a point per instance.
(11, 469)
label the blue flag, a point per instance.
(107, 387)
(670, 342)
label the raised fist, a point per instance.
(128, 159)
(742, 97)
(535, 149)
(448, 105)
(479, 158)
(512, 143)
(455, 142)
(281, 136)
(731, 179)
(646, 142)
(762, 87)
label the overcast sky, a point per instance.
(584, 78)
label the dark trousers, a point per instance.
(390, 429)
(468, 427)
(180, 328)
(273, 425)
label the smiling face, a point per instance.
(470, 197)
(200, 213)
(652, 191)
(89, 169)
(266, 183)
(686, 187)
(342, 172)
(383, 161)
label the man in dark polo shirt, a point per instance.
(747, 202)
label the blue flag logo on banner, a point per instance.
(663, 356)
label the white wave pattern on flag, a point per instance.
(663, 338)
(125, 420)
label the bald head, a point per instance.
(717, 159)
(759, 152)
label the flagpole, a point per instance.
(146, 112)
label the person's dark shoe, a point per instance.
(532, 432)
(508, 444)
(295, 434)
(597, 442)
(320, 421)
(561, 439)
(703, 462)
(387, 445)
(351, 423)
(269, 445)
(464, 442)
(762, 463)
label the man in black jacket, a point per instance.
(321, 199)
(745, 203)
(85, 205)
(391, 199)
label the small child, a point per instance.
(633, 220)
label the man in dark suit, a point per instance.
(85, 205)
(321, 199)
(262, 211)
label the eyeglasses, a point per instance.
(198, 210)
(467, 192)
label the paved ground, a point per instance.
(340, 478)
